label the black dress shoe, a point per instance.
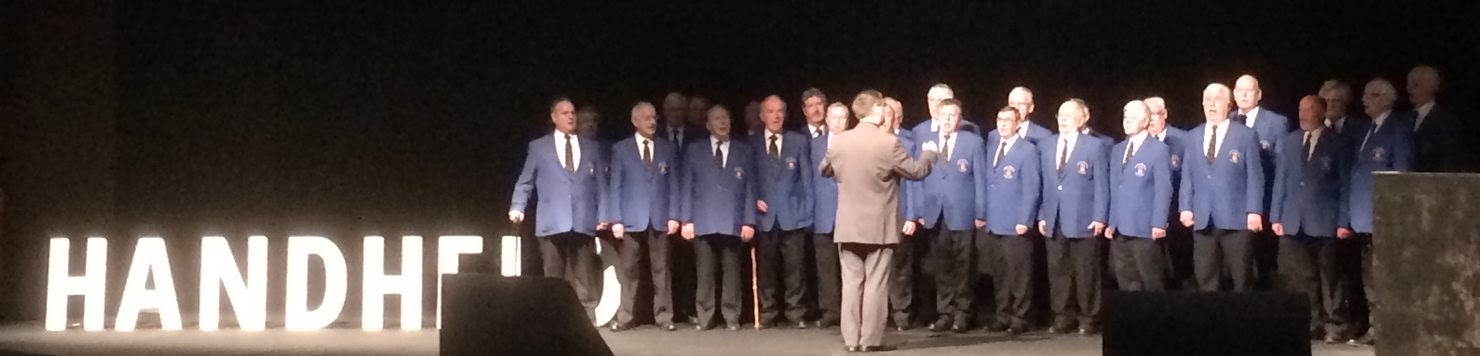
(668, 327)
(879, 348)
(693, 320)
(996, 327)
(1014, 330)
(733, 326)
(620, 327)
(852, 348)
(941, 324)
(1089, 331)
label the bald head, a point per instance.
(1423, 85)
(1246, 93)
(1312, 112)
(1156, 121)
(1215, 104)
(645, 119)
(1072, 116)
(773, 113)
(1021, 98)
(1135, 117)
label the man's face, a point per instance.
(773, 111)
(753, 117)
(1135, 120)
(1375, 100)
(813, 109)
(1421, 86)
(1311, 115)
(1007, 124)
(564, 117)
(1022, 101)
(674, 109)
(1335, 106)
(1070, 117)
(587, 123)
(645, 121)
(697, 108)
(934, 97)
(718, 124)
(1158, 118)
(837, 119)
(1215, 105)
(950, 116)
(1246, 93)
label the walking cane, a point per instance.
(755, 294)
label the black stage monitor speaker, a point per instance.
(1204, 324)
(484, 314)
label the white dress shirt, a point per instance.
(780, 139)
(1222, 132)
(1423, 112)
(575, 143)
(644, 141)
(1132, 144)
(1251, 116)
(724, 149)
(1314, 136)
(1066, 146)
(1011, 140)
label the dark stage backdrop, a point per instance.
(339, 118)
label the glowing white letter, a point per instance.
(378, 284)
(448, 250)
(150, 260)
(248, 297)
(509, 257)
(298, 317)
(60, 284)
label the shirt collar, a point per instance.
(1425, 109)
(1377, 121)
(714, 141)
(1139, 138)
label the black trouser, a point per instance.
(781, 249)
(1137, 263)
(1217, 251)
(1369, 287)
(906, 262)
(1178, 256)
(1266, 257)
(1308, 265)
(681, 258)
(629, 271)
(571, 256)
(826, 257)
(720, 252)
(1074, 280)
(950, 255)
(1011, 260)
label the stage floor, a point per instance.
(28, 339)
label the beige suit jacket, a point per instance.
(868, 163)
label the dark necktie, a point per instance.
(1063, 153)
(1001, 151)
(719, 156)
(1305, 148)
(945, 146)
(1241, 118)
(570, 156)
(774, 151)
(1129, 147)
(1213, 144)
(1368, 137)
(647, 151)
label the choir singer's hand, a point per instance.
(1021, 229)
(930, 147)
(672, 227)
(909, 228)
(516, 217)
(601, 226)
(1256, 222)
(760, 205)
(1279, 229)
(1186, 218)
(1096, 226)
(746, 233)
(981, 223)
(617, 230)
(1158, 233)
(1343, 233)
(1110, 232)
(1042, 228)
(688, 231)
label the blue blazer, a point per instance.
(717, 199)
(922, 131)
(908, 189)
(1271, 127)
(956, 186)
(568, 202)
(785, 183)
(1390, 148)
(642, 195)
(1013, 187)
(1229, 188)
(1080, 192)
(1037, 133)
(1437, 143)
(1308, 194)
(1140, 189)
(824, 190)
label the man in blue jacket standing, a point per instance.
(1222, 194)
(1387, 146)
(717, 209)
(1075, 207)
(1012, 204)
(952, 205)
(1140, 196)
(784, 182)
(562, 170)
(824, 217)
(640, 207)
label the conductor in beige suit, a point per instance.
(867, 163)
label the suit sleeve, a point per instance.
(752, 193)
(1102, 185)
(1031, 184)
(525, 184)
(982, 176)
(685, 208)
(609, 211)
(1254, 178)
(1184, 193)
(1403, 149)
(1045, 158)
(1344, 177)
(674, 177)
(910, 168)
(1162, 197)
(809, 201)
(1277, 197)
